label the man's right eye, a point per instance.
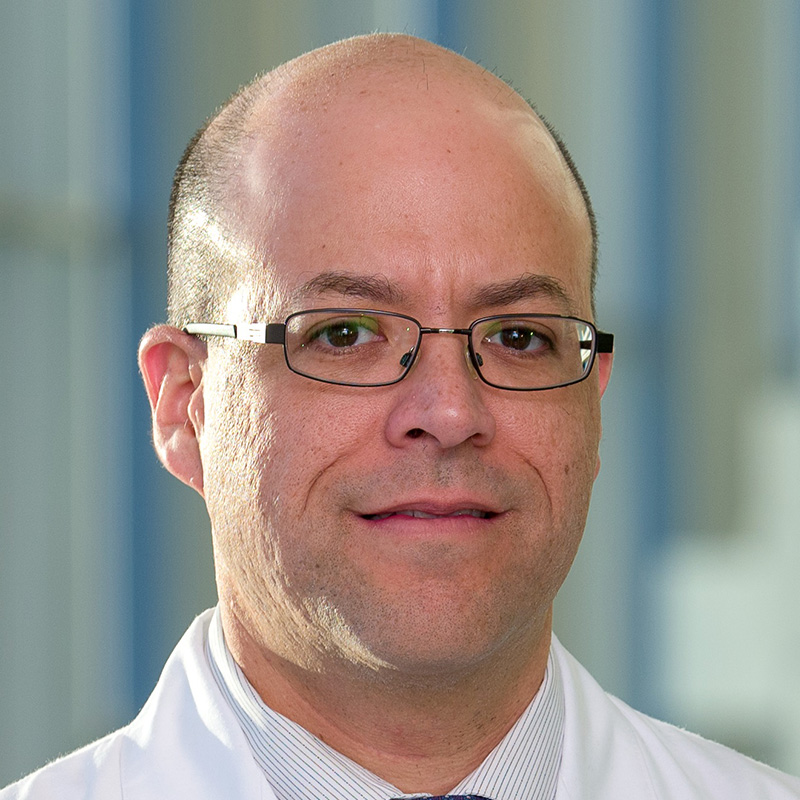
(341, 334)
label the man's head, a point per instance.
(423, 528)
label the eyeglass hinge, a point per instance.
(252, 332)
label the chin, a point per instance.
(435, 646)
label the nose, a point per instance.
(441, 399)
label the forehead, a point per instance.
(426, 182)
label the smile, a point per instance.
(465, 512)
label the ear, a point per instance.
(171, 363)
(603, 365)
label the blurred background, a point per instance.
(683, 118)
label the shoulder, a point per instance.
(631, 755)
(687, 765)
(181, 744)
(91, 772)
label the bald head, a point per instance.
(338, 114)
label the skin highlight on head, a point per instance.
(390, 166)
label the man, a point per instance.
(394, 503)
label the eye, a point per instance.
(519, 336)
(345, 332)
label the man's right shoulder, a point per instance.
(185, 742)
(91, 773)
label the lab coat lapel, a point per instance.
(186, 742)
(602, 754)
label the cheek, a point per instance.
(237, 436)
(557, 436)
(561, 450)
(305, 433)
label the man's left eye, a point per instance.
(519, 338)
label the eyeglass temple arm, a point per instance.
(605, 343)
(273, 333)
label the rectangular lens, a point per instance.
(532, 351)
(349, 346)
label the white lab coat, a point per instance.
(187, 743)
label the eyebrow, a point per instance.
(366, 287)
(526, 287)
(378, 289)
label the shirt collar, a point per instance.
(299, 766)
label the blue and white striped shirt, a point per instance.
(298, 766)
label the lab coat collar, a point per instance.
(186, 742)
(602, 754)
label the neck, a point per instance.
(419, 733)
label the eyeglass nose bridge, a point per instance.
(474, 360)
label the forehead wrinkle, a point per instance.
(528, 286)
(376, 288)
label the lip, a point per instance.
(431, 510)
(415, 514)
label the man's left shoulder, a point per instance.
(674, 756)
(612, 750)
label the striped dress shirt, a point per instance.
(298, 766)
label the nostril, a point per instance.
(415, 433)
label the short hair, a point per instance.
(587, 200)
(201, 272)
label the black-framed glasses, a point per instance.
(363, 347)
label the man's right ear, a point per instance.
(171, 363)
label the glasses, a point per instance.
(361, 347)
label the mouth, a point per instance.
(419, 514)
